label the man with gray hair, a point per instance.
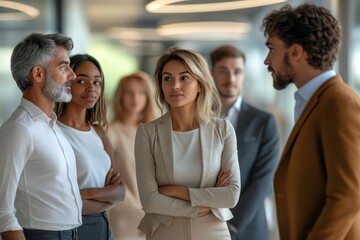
(40, 197)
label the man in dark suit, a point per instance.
(317, 183)
(257, 141)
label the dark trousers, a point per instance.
(95, 227)
(33, 234)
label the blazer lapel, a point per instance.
(242, 120)
(165, 139)
(206, 142)
(305, 114)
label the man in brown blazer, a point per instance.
(317, 183)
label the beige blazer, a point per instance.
(155, 167)
(317, 183)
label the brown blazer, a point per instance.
(317, 183)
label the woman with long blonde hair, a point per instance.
(186, 160)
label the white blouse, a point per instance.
(92, 161)
(187, 158)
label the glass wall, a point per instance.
(11, 33)
(117, 59)
(354, 49)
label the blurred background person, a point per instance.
(133, 103)
(257, 144)
(83, 121)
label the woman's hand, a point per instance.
(223, 178)
(87, 193)
(175, 191)
(204, 210)
(112, 178)
(166, 190)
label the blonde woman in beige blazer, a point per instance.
(173, 208)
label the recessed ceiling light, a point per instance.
(171, 6)
(23, 11)
(140, 34)
(205, 30)
(201, 31)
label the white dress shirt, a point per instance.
(92, 161)
(38, 182)
(303, 95)
(233, 113)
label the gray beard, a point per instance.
(56, 92)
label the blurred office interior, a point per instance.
(127, 35)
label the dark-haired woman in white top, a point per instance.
(83, 121)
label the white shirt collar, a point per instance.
(36, 113)
(303, 94)
(310, 87)
(234, 110)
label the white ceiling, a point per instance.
(105, 14)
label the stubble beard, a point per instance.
(281, 81)
(227, 95)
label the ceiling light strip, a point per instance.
(167, 6)
(203, 27)
(25, 11)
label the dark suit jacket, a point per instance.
(317, 183)
(258, 152)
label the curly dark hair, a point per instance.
(311, 26)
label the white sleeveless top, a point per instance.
(92, 161)
(187, 158)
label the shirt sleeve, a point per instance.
(228, 196)
(15, 147)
